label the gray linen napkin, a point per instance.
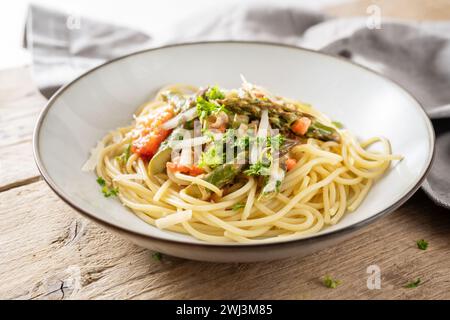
(416, 55)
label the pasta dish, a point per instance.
(240, 165)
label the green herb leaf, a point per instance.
(238, 206)
(107, 192)
(206, 108)
(413, 284)
(214, 93)
(123, 158)
(210, 158)
(422, 244)
(258, 169)
(330, 283)
(101, 181)
(276, 141)
(157, 256)
(337, 124)
(114, 192)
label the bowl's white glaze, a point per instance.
(105, 98)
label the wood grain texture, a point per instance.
(19, 155)
(20, 103)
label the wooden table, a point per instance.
(48, 251)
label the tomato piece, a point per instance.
(290, 164)
(192, 171)
(195, 171)
(300, 126)
(148, 134)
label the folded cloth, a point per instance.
(416, 55)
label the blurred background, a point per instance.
(156, 16)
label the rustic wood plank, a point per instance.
(17, 166)
(20, 104)
(44, 242)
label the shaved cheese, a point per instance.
(180, 119)
(186, 157)
(173, 219)
(264, 125)
(245, 84)
(186, 153)
(91, 163)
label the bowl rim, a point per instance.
(318, 237)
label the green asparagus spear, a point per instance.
(224, 174)
(219, 177)
(281, 116)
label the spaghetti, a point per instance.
(173, 167)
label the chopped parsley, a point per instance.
(123, 158)
(111, 192)
(338, 124)
(101, 181)
(276, 141)
(258, 169)
(157, 256)
(422, 244)
(238, 206)
(206, 108)
(413, 284)
(330, 283)
(210, 158)
(107, 192)
(214, 93)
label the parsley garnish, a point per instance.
(422, 244)
(101, 181)
(206, 108)
(214, 93)
(276, 141)
(238, 206)
(123, 158)
(110, 192)
(258, 169)
(330, 283)
(413, 284)
(157, 256)
(107, 192)
(210, 158)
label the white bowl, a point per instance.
(105, 98)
